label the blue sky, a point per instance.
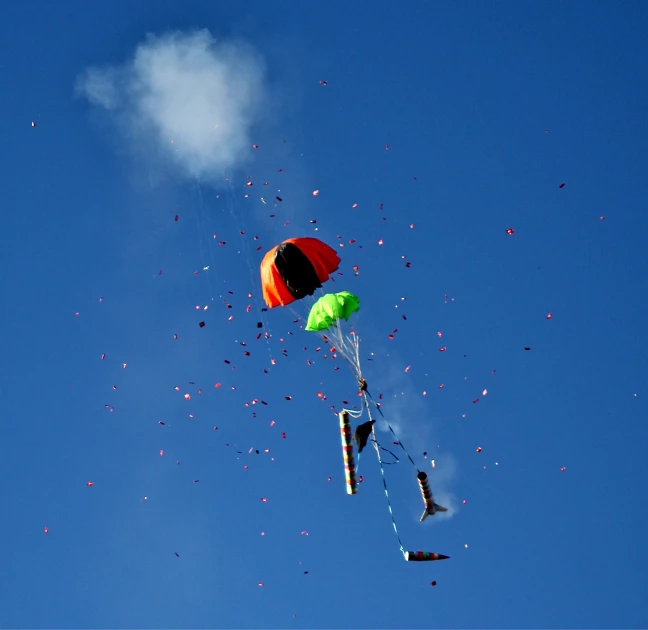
(462, 121)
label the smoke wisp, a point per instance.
(184, 97)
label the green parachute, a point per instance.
(331, 308)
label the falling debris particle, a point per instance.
(433, 583)
(563, 469)
(201, 324)
(175, 218)
(46, 530)
(527, 349)
(33, 124)
(549, 316)
(562, 185)
(323, 83)
(478, 449)
(315, 193)
(90, 484)
(510, 231)
(177, 554)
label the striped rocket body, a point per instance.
(423, 556)
(431, 507)
(347, 454)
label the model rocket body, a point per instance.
(431, 507)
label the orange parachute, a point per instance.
(295, 268)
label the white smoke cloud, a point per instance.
(186, 97)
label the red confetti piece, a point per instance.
(463, 502)
(288, 397)
(264, 500)
(355, 205)
(563, 469)
(328, 478)
(361, 479)
(187, 397)
(201, 324)
(476, 400)
(90, 484)
(175, 218)
(478, 449)
(433, 583)
(549, 316)
(260, 583)
(510, 230)
(46, 530)
(443, 349)
(255, 146)
(315, 193)
(283, 435)
(103, 356)
(380, 242)
(160, 422)
(407, 369)
(161, 453)
(175, 336)
(562, 185)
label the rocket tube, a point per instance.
(422, 556)
(426, 493)
(347, 454)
